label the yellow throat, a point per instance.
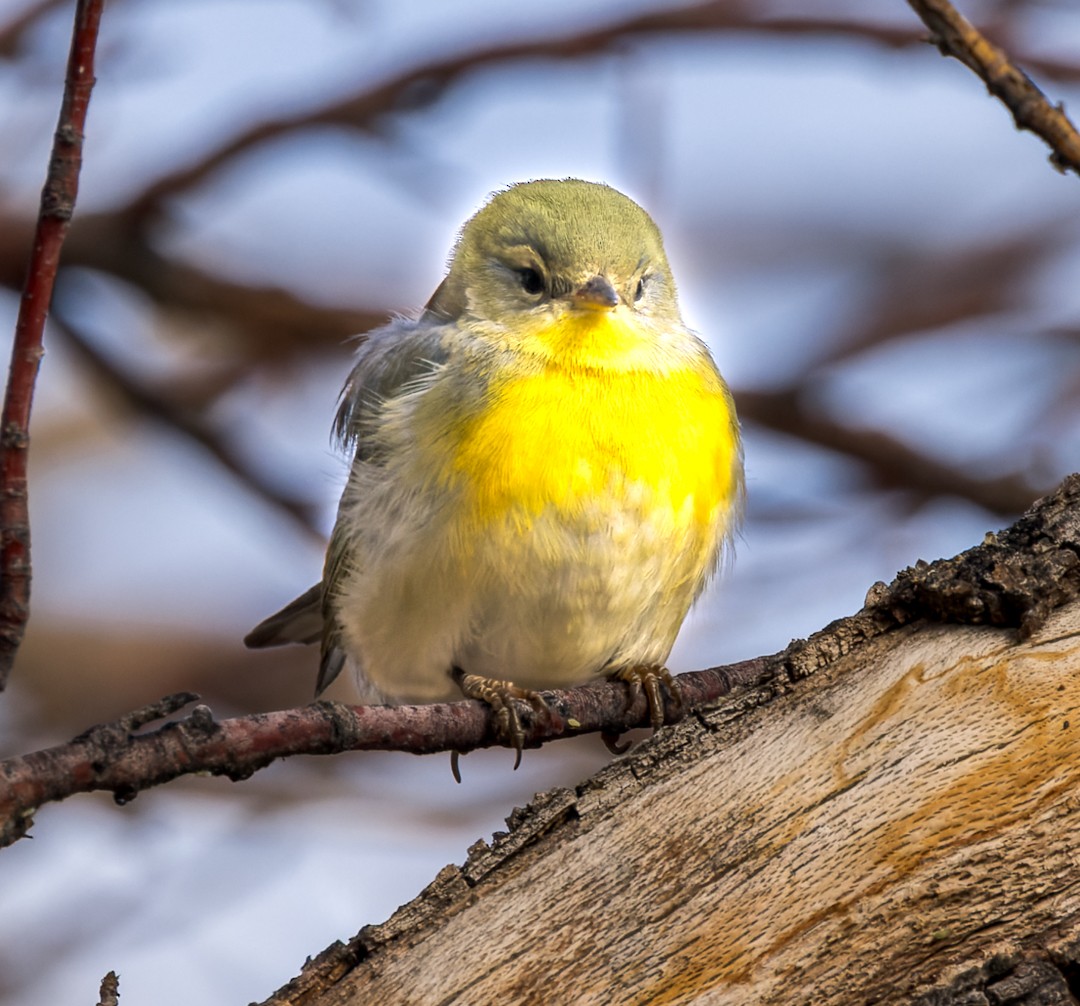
(598, 414)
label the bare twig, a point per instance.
(955, 36)
(112, 757)
(1015, 578)
(57, 206)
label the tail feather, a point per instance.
(300, 621)
(333, 660)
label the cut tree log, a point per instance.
(892, 818)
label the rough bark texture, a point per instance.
(892, 818)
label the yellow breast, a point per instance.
(599, 416)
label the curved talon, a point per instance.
(650, 679)
(500, 696)
(611, 742)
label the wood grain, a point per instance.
(893, 818)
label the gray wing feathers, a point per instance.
(300, 621)
(388, 361)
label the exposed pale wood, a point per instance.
(891, 821)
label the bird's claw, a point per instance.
(500, 697)
(650, 679)
(613, 744)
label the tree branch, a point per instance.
(113, 757)
(777, 847)
(955, 36)
(57, 207)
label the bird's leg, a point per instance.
(500, 696)
(650, 678)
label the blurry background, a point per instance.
(886, 270)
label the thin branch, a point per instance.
(113, 757)
(57, 206)
(893, 463)
(1015, 578)
(955, 36)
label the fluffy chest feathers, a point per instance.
(599, 416)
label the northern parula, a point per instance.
(546, 471)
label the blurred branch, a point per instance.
(425, 83)
(893, 463)
(11, 33)
(955, 36)
(114, 757)
(271, 321)
(913, 290)
(57, 206)
(158, 406)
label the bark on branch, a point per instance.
(57, 207)
(955, 36)
(116, 758)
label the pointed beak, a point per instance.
(596, 295)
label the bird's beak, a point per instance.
(596, 295)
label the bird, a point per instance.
(546, 470)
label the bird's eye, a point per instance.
(640, 291)
(531, 281)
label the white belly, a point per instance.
(547, 602)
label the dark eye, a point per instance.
(640, 291)
(531, 281)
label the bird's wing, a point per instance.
(390, 361)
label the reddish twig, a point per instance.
(115, 758)
(955, 36)
(57, 206)
(1015, 578)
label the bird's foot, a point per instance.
(500, 696)
(650, 679)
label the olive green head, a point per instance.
(556, 246)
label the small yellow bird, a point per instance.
(546, 471)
